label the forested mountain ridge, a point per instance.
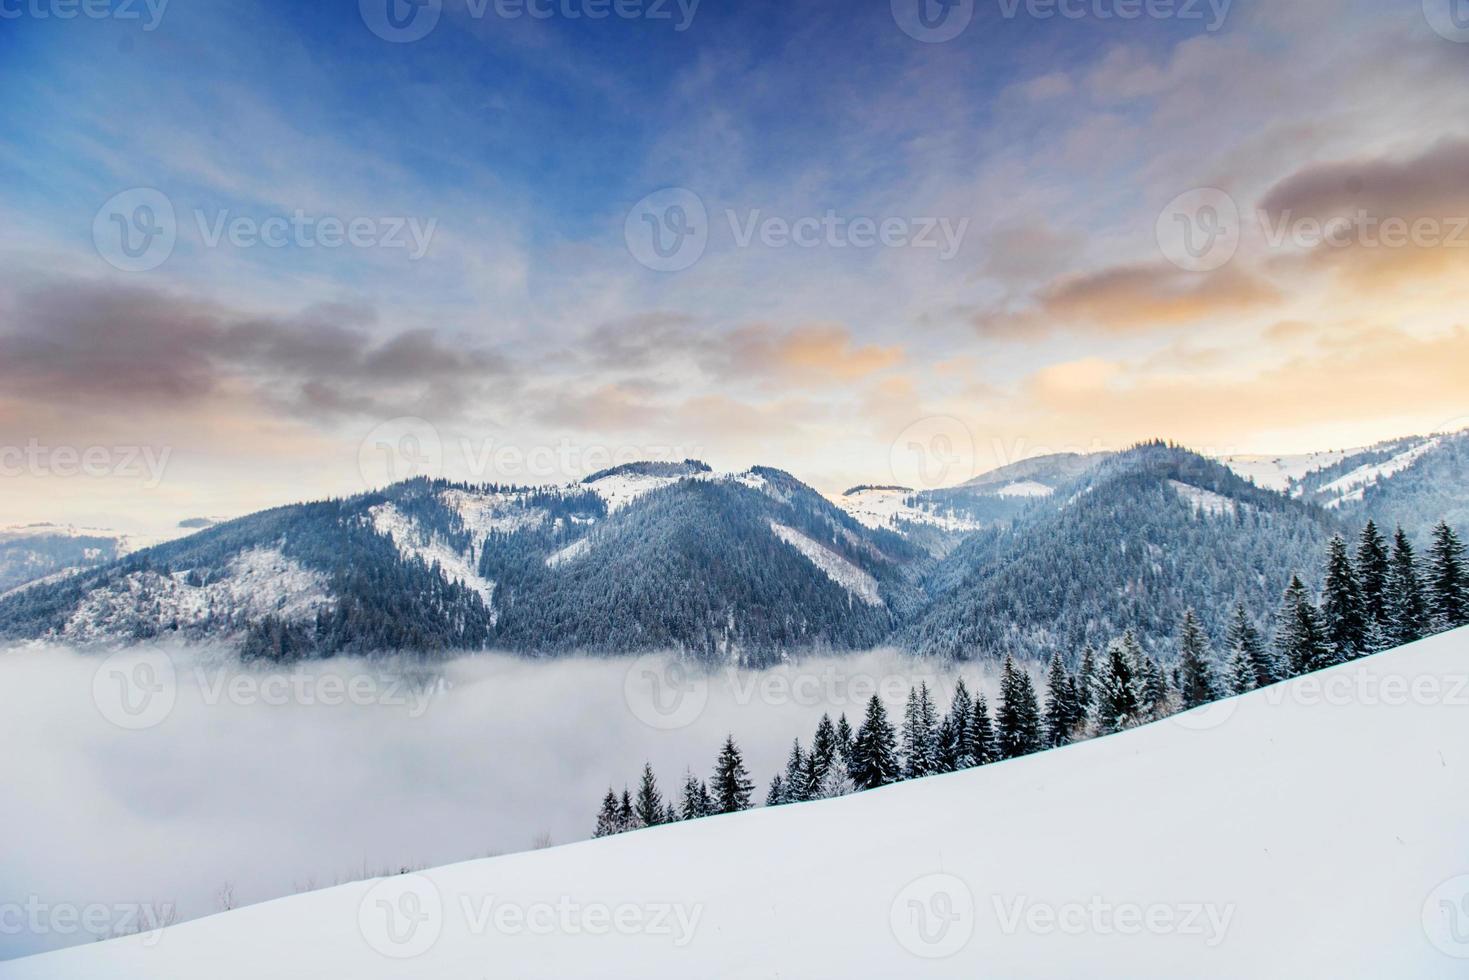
(750, 567)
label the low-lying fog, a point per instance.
(173, 776)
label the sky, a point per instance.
(255, 252)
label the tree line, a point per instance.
(1379, 597)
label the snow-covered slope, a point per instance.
(1313, 829)
(1279, 472)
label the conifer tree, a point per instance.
(732, 784)
(958, 741)
(845, 741)
(794, 783)
(670, 813)
(1299, 641)
(1239, 675)
(1155, 691)
(1246, 645)
(1018, 721)
(1196, 683)
(1061, 707)
(627, 818)
(875, 753)
(982, 734)
(607, 819)
(1086, 677)
(822, 758)
(1407, 611)
(1343, 613)
(1448, 589)
(695, 800)
(1372, 571)
(776, 795)
(648, 808)
(920, 748)
(1116, 704)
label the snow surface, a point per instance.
(1206, 501)
(413, 541)
(841, 571)
(1313, 829)
(1352, 486)
(882, 507)
(1025, 488)
(576, 549)
(1278, 472)
(487, 513)
(621, 489)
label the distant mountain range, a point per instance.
(1051, 552)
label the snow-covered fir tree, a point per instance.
(821, 760)
(627, 818)
(608, 822)
(776, 795)
(1448, 589)
(1239, 673)
(956, 746)
(794, 781)
(731, 782)
(1343, 613)
(695, 800)
(1115, 701)
(1018, 721)
(920, 737)
(1372, 572)
(1246, 644)
(1407, 610)
(1196, 684)
(1086, 675)
(648, 807)
(1062, 709)
(875, 759)
(982, 734)
(1299, 640)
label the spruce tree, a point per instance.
(1407, 611)
(776, 795)
(648, 808)
(958, 747)
(794, 783)
(1239, 675)
(670, 813)
(694, 803)
(875, 754)
(626, 818)
(822, 758)
(1116, 704)
(1299, 641)
(732, 784)
(1086, 678)
(845, 740)
(1061, 707)
(1155, 692)
(1448, 590)
(920, 749)
(1246, 645)
(982, 734)
(607, 819)
(1372, 571)
(1196, 684)
(1018, 722)
(1343, 613)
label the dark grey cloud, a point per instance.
(84, 342)
(1435, 182)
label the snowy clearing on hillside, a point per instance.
(882, 507)
(413, 541)
(489, 513)
(1278, 472)
(621, 489)
(1353, 485)
(1205, 501)
(576, 549)
(260, 582)
(1312, 829)
(841, 571)
(1025, 488)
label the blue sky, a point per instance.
(1047, 147)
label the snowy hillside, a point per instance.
(1312, 829)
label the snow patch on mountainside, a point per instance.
(838, 569)
(887, 507)
(413, 542)
(572, 551)
(1353, 485)
(258, 582)
(1206, 501)
(621, 489)
(1025, 488)
(1279, 472)
(491, 513)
